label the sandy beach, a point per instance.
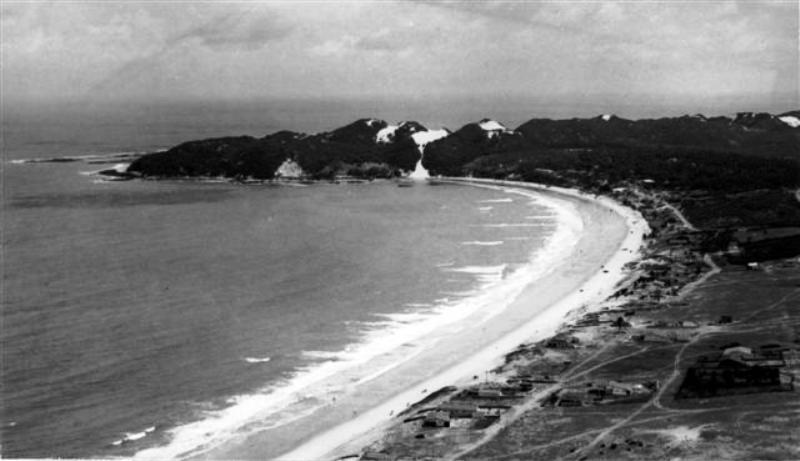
(599, 238)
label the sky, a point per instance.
(692, 54)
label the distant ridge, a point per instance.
(372, 148)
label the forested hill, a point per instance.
(723, 171)
(364, 148)
(750, 150)
(373, 148)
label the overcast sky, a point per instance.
(638, 50)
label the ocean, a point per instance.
(138, 313)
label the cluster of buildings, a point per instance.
(742, 370)
(674, 259)
(476, 407)
(600, 393)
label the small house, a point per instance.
(436, 419)
(561, 342)
(492, 409)
(571, 398)
(737, 351)
(490, 393)
(458, 409)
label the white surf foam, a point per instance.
(257, 359)
(417, 305)
(108, 157)
(460, 294)
(119, 168)
(484, 274)
(327, 355)
(497, 200)
(405, 317)
(481, 270)
(133, 436)
(482, 243)
(383, 346)
(518, 224)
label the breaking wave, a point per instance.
(385, 343)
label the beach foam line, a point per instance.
(83, 158)
(133, 436)
(460, 294)
(482, 243)
(484, 274)
(337, 373)
(418, 305)
(119, 168)
(557, 246)
(484, 209)
(310, 388)
(479, 269)
(497, 200)
(366, 427)
(405, 317)
(520, 224)
(324, 355)
(309, 385)
(257, 359)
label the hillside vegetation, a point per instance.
(723, 172)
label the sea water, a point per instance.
(136, 311)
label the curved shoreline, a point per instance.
(571, 276)
(588, 289)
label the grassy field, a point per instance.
(607, 386)
(765, 307)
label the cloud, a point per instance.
(383, 40)
(242, 29)
(279, 48)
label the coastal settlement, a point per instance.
(670, 365)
